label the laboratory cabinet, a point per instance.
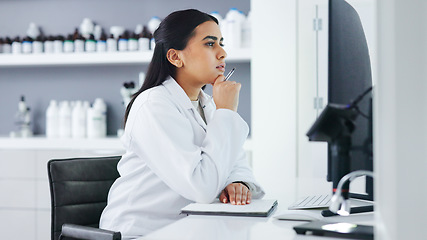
(25, 202)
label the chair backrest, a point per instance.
(79, 188)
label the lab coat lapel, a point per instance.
(184, 101)
(208, 105)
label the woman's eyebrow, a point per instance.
(212, 37)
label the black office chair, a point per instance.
(79, 189)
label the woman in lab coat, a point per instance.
(182, 146)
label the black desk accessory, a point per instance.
(334, 229)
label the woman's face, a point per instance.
(204, 58)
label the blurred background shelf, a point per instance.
(107, 58)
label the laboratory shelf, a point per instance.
(106, 58)
(41, 142)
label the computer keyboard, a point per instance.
(314, 201)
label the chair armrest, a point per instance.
(88, 233)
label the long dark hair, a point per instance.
(173, 32)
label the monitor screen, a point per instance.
(349, 75)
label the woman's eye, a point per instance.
(210, 44)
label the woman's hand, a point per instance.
(236, 194)
(226, 93)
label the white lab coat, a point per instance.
(174, 158)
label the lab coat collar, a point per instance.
(183, 100)
(178, 93)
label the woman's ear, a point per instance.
(174, 58)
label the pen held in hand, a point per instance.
(229, 74)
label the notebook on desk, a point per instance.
(257, 208)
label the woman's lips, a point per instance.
(221, 67)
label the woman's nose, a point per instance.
(222, 54)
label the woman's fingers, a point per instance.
(236, 194)
(223, 197)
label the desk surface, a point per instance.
(226, 227)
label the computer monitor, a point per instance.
(349, 75)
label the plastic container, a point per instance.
(144, 40)
(7, 45)
(247, 32)
(123, 43)
(58, 44)
(38, 44)
(133, 42)
(233, 29)
(217, 16)
(27, 45)
(90, 44)
(87, 27)
(79, 43)
(78, 121)
(52, 120)
(65, 120)
(69, 44)
(111, 44)
(33, 31)
(97, 120)
(153, 24)
(101, 44)
(16, 46)
(23, 119)
(48, 44)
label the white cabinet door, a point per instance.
(312, 94)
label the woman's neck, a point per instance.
(192, 90)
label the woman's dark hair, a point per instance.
(173, 32)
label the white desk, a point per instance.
(238, 228)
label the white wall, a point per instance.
(274, 97)
(400, 120)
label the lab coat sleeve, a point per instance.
(242, 172)
(164, 137)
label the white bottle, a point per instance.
(79, 44)
(123, 43)
(133, 42)
(27, 45)
(247, 32)
(7, 45)
(58, 44)
(87, 27)
(217, 16)
(78, 121)
(153, 24)
(65, 120)
(38, 45)
(233, 29)
(97, 120)
(48, 45)
(90, 44)
(111, 44)
(52, 120)
(17, 46)
(33, 30)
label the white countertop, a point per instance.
(233, 228)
